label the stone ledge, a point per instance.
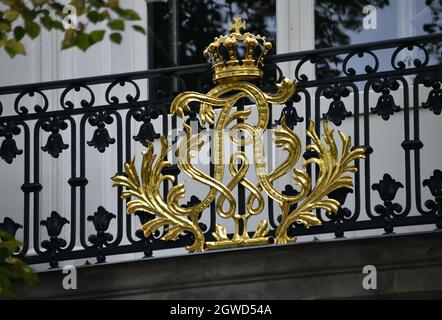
(408, 266)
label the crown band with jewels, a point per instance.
(229, 63)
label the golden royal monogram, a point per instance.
(144, 189)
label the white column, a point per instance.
(295, 27)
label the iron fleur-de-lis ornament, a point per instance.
(231, 74)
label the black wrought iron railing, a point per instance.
(372, 88)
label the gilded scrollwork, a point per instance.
(333, 175)
(232, 85)
(146, 192)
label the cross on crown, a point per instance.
(238, 25)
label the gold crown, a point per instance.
(229, 62)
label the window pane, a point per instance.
(339, 22)
(346, 22)
(181, 30)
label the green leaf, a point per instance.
(116, 37)
(82, 41)
(130, 14)
(57, 6)
(116, 25)
(113, 3)
(14, 47)
(5, 236)
(12, 268)
(117, 9)
(69, 39)
(139, 29)
(28, 15)
(96, 3)
(127, 14)
(96, 36)
(95, 16)
(43, 12)
(57, 25)
(80, 5)
(5, 285)
(3, 38)
(46, 22)
(12, 260)
(4, 253)
(5, 25)
(6, 293)
(32, 29)
(29, 275)
(10, 245)
(19, 33)
(8, 2)
(11, 14)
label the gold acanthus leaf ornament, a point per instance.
(333, 175)
(144, 190)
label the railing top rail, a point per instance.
(49, 85)
(375, 45)
(179, 70)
